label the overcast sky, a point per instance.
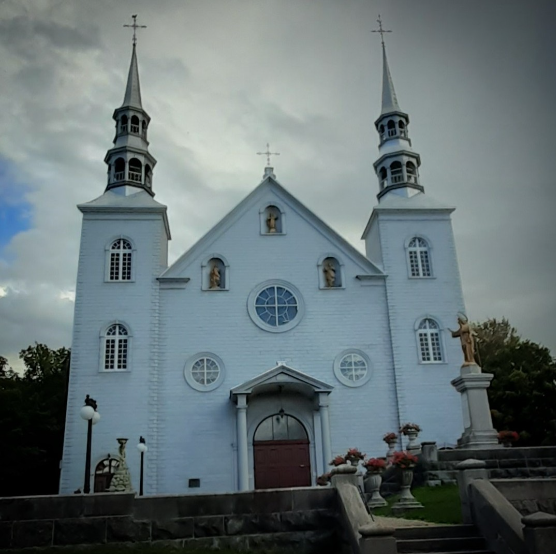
(221, 78)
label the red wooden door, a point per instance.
(282, 464)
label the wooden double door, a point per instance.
(282, 464)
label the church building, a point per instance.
(272, 344)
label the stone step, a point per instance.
(470, 544)
(436, 531)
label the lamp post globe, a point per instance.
(142, 447)
(89, 413)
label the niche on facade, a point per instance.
(272, 220)
(215, 273)
(331, 272)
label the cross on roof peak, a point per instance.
(134, 26)
(381, 30)
(268, 153)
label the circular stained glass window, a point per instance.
(353, 368)
(276, 306)
(204, 371)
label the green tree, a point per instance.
(523, 392)
(32, 418)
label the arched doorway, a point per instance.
(104, 472)
(281, 453)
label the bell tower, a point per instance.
(397, 167)
(130, 165)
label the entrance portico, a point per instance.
(278, 391)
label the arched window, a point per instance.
(411, 171)
(115, 348)
(135, 124)
(401, 127)
(135, 170)
(280, 427)
(120, 260)
(104, 472)
(381, 130)
(419, 258)
(144, 127)
(123, 124)
(148, 176)
(391, 128)
(383, 176)
(396, 172)
(428, 339)
(119, 170)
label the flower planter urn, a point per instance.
(373, 482)
(391, 449)
(407, 501)
(413, 446)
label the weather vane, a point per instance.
(380, 30)
(268, 153)
(134, 26)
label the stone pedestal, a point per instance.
(473, 385)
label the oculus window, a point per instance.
(275, 306)
(204, 371)
(352, 368)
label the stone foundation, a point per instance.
(303, 520)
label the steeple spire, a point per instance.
(132, 96)
(397, 165)
(389, 98)
(130, 165)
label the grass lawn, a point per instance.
(441, 505)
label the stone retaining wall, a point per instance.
(501, 463)
(304, 520)
(528, 496)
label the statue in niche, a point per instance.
(466, 336)
(214, 276)
(271, 221)
(329, 273)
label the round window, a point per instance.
(352, 368)
(204, 371)
(275, 306)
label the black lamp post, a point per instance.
(91, 416)
(142, 447)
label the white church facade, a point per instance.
(272, 344)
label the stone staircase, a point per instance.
(441, 539)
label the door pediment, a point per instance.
(281, 377)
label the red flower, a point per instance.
(389, 437)
(404, 460)
(354, 454)
(508, 436)
(375, 465)
(338, 461)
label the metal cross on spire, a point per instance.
(268, 153)
(134, 26)
(381, 30)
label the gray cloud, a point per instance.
(220, 79)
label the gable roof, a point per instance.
(280, 375)
(252, 199)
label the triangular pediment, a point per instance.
(270, 187)
(280, 375)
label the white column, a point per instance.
(325, 428)
(242, 450)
